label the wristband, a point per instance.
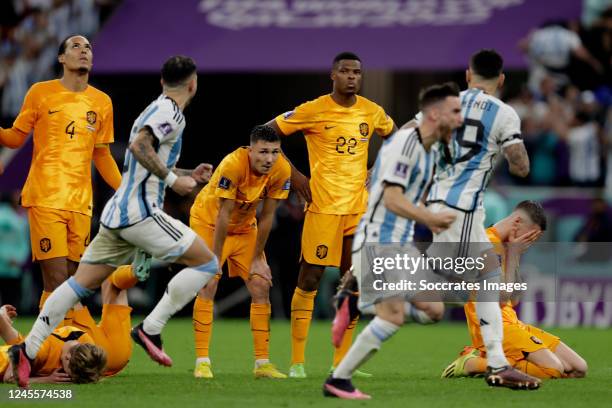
(170, 179)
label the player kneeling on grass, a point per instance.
(526, 347)
(84, 351)
(224, 215)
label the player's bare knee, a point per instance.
(310, 276)
(391, 312)
(580, 368)
(259, 289)
(435, 311)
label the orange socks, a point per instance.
(202, 325)
(302, 305)
(347, 341)
(260, 327)
(537, 371)
(123, 277)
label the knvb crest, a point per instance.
(45, 245)
(321, 251)
(364, 129)
(92, 117)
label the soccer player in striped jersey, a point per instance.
(133, 219)
(490, 127)
(403, 169)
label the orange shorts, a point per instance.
(237, 249)
(58, 233)
(323, 235)
(112, 334)
(522, 339)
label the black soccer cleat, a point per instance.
(152, 345)
(511, 378)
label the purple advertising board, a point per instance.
(304, 35)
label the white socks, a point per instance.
(366, 344)
(57, 305)
(182, 289)
(491, 325)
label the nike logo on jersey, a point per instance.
(52, 112)
(330, 127)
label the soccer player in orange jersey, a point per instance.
(338, 128)
(85, 350)
(224, 216)
(72, 123)
(527, 348)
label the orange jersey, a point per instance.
(48, 358)
(235, 180)
(4, 360)
(337, 139)
(508, 313)
(67, 125)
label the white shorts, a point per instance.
(465, 238)
(160, 235)
(393, 281)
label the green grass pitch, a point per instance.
(406, 373)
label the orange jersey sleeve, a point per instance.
(48, 358)
(67, 125)
(4, 360)
(233, 179)
(383, 124)
(337, 139)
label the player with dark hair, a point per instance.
(403, 169)
(527, 348)
(224, 215)
(72, 123)
(490, 127)
(338, 128)
(133, 219)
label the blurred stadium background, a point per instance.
(261, 58)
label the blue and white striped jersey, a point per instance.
(141, 191)
(403, 161)
(463, 170)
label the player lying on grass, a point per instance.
(133, 219)
(224, 215)
(84, 351)
(527, 348)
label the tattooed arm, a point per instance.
(143, 150)
(142, 147)
(518, 160)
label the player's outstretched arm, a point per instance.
(143, 150)
(201, 174)
(518, 160)
(12, 138)
(106, 165)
